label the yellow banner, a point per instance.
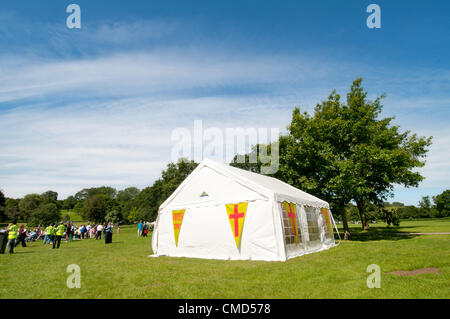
(236, 216)
(292, 214)
(177, 219)
(326, 216)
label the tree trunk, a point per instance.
(344, 222)
(362, 214)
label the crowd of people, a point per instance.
(54, 233)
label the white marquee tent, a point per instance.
(222, 212)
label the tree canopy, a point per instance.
(45, 214)
(344, 152)
(442, 203)
(95, 208)
(28, 204)
(149, 200)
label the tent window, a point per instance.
(313, 224)
(289, 236)
(327, 232)
(326, 222)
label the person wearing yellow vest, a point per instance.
(59, 233)
(48, 234)
(12, 236)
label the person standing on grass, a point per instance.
(92, 232)
(77, 233)
(12, 236)
(104, 230)
(59, 233)
(88, 231)
(144, 230)
(111, 231)
(48, 234)
(21, 236)
(108, 233)
(118, 228)
(72, 231)
(83, 231)
(53, 233)
(40, 233)
(98, 234)
(140, 228)
(68, 232)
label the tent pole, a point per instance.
(336, 229)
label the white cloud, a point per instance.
(139, 73)
(107, 120)
(127, 143)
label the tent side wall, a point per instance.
(206, 232)
(313, 231)
(279, 230)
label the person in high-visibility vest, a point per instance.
(53, 233)
(48, 234)
(59, 233)
(12, 236)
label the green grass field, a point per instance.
(123, 270)
(72, 214)
(425, 225)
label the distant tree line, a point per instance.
(105, 203)
(393, 212)
(98, 204)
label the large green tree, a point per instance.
(311, 155)
(251, 161)
(50, 196)
(127, 194)
(126, 199)
(95, 208)
(69, 202)
(28, 204)
(114, 216)
(344, 152)
(103, 190)
(44, 215)
(380, 154)
(425, 205)
(150, 198)
(442, 203)
(12, 209)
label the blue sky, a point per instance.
(96, 106)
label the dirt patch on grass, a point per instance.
(415, 272)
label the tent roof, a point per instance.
(265, 185)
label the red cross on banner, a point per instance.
(236, 215)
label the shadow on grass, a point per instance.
(392, 233)
(368, 236)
